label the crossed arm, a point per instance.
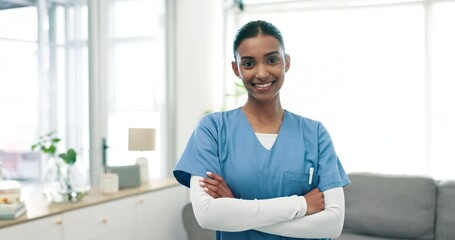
(314, 215)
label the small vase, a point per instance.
(65, 183)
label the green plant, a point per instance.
(47, 144)
(69, 157)
(58, 179)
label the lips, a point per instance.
(263, 85)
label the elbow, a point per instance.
(332, 231)
(336, 231)
(192, 217)
(208, 215)
(208, 220)
(337, 226)
(212, 217)
(335, 222)
(204, 219)
(204, 222)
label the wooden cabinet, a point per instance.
(159, 215)
(150, 215)
(106, 220)
(44, 228)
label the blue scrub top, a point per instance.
(225, 143)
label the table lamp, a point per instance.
(142, 139)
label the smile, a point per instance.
(264, 85)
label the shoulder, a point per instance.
(306, 122)
(216, 122)
(308, 125)
(219, 118)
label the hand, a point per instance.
(215, 186)
(315, 201)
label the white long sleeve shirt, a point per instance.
(284, 216)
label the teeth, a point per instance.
(263, 85)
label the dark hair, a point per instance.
(254, 28)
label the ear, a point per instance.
(287, 63)
(235, 68)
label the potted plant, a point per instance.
(58, 183)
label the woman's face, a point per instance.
(261, 64)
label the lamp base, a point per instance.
(143, 164)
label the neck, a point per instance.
(271, 109)
(265, 112)
(264, 117)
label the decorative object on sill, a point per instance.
(142, 139)
(109, 183)
(10, 192)
(65, 179)
(128, 176)
(11, 204)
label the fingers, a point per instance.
(211, 193)
(215, 179)
(216, 186)
(211, 181)
(215, 176)
(315, 201)
(315, 191)
(212, 188)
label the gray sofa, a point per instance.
(383, 207)
(396, 207)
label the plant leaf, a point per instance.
(52, 149)
(69, 157)
(44, 149)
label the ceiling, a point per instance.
(8, 4)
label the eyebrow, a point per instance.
(267, 54)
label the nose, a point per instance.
(261, 71)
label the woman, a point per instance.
(259, 171)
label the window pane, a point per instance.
(69, 70)
(44, 86)
(136, 86)
(363, 76)
(137, 77)
(19, 23)
(135, 18)
(19, 93)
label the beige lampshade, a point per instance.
(141, 139)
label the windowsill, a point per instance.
(39, 207)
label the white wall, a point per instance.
(199, 63)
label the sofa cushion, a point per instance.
(354, 236)
(445, 215)
(390, 205)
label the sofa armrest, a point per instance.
(445, 215)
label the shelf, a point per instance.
(38, 207)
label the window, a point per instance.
(379, 84)
(44, 81)
(136, 77)
(19, 94)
